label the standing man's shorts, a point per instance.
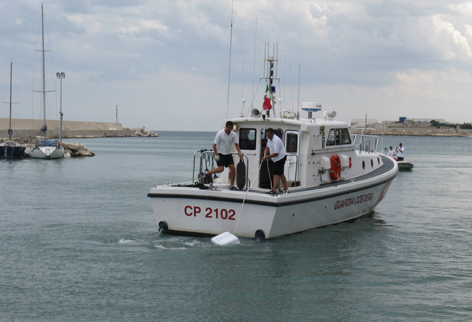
(279, 166)
(225, 160)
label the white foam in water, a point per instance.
(225, 238)
(125, 241)
(193, 243)
(168, 248)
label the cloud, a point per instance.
(363, 49)
(454, 44)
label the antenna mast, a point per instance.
(298, 101)
(254, 66)
(230, 45)
(270, 72)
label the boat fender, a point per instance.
(241, 174)
(225, 238)
(335, 170)
(163, 228)
(259, 235)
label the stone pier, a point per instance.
(29, 128)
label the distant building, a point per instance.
(405, 126)
(362, 122)
(423, 122)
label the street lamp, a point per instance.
(61, 76)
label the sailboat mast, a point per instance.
(11, 76)
(44, 71)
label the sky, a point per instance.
(166, 63)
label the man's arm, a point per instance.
(239, 150)
(270, 156)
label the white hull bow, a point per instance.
(45, 152)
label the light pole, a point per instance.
(61, 76)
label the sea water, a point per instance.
(79, 242)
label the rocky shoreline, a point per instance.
(76, 149)
(408, 128)
(143, 132)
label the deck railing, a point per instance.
(365, 143)
(208, 156)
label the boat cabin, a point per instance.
(318, 151)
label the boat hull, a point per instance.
(405, 165)
(287, 215)
(9, 151)
(46, 152)
(186, 209)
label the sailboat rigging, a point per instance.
(11, 149)
(45, 148)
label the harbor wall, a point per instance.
(30, 128)
(401, 129)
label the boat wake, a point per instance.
(129, 241)
(180, 243)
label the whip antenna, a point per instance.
(254, 66)
(230, 45)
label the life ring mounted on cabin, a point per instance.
(335, 171)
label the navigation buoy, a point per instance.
(225, 238)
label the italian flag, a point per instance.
(266, 105)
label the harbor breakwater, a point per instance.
(30, 128)
(404, 130)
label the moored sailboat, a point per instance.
(45, 148)
(11, 149)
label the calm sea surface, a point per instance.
(78, 242)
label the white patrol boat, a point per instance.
(332, 176)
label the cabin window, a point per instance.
(292, 143)
(331, 137)
(338, 137)
(247, 139)
(345, 136)
(278, 132)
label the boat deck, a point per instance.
(296, 195)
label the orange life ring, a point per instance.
(335, 170)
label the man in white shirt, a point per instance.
(276, 150)
(400, 152)
(391, 153)
(222, 150)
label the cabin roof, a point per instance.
(277, 122)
